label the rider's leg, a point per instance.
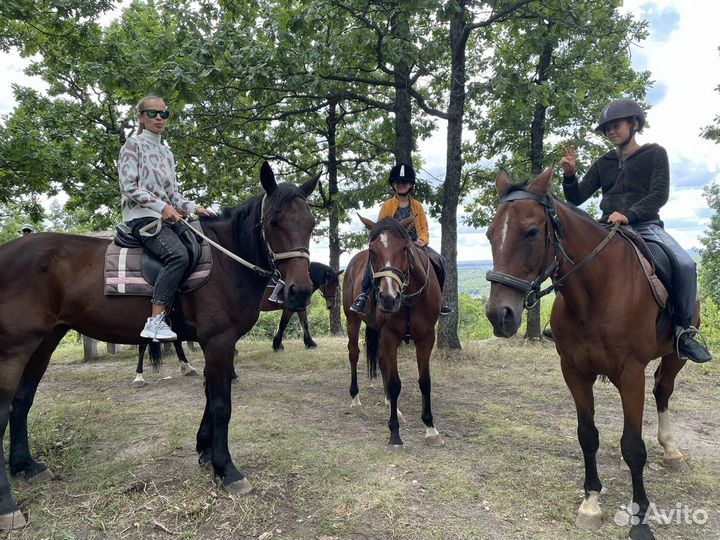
(439, 264)
(684, 294)
(359, 304)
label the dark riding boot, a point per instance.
(358, 306)
(445, 310)
(547, 334)
(690, 348)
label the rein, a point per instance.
(532, 289)
(303, 252)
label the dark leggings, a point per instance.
(172, 253)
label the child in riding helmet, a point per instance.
(401, 206)
(635, 184)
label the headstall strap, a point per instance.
(555, 233)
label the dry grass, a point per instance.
(511, 466)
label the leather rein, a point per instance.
(554, 234)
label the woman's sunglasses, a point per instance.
(152, 113)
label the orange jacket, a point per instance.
(389, 208)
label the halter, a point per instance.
(532, 291)
(402, 278)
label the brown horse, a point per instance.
(50, 283)
(405, 303)
(324, 279)
(603, 320)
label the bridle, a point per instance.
(554, 234)
(296, 252)
(402, 278)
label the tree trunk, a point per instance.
(403, 116)
(537, 137)
(447, 328)
(333, 232)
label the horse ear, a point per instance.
(369, 224)
(308, 187)
(340, 272)
(267, 178)
(502, 182)
(407, 222)
(541, 184)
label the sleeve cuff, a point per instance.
(632, 216)
(569, 180)
(158, 206)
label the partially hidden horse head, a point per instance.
(390, 260)
(327, 281)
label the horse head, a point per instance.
(287, 225)
(390, 255)
(519, 237)
(328, 281)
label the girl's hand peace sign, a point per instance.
(568, 160)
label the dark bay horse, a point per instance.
(603, 320)
(324, 279)
(50, 283)
(406, 301)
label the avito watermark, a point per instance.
(681, 514)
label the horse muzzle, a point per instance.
(297, 297)
(389, 304)
(504, 319)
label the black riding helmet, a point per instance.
(402, 172)
(619, 109)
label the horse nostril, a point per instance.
(508, 315)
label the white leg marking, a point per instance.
(356, 401)
(431, 432)
(665, 437)
(589, 514)
(139, 381)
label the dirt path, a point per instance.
(511, 466)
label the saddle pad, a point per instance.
(124, 275)
(656, 286)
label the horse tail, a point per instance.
(372, 346)
(155, 355)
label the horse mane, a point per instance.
(389, 224)
(321, 274)
(245, 219)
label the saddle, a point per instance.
(657, 261)
(130, 270)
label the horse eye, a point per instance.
(533, 232)
(274, 223)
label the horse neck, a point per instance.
(581, 237)
(417, 275)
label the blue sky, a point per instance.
(682, 55)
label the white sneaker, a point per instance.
(157, 329)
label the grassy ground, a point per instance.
(511, 466)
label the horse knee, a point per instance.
(633, 451)
(588, 437)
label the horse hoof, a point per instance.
(641, 532)
(13, 520)
(40, 478)
(239, 487)
(589, 522)
(188, 370)
(312, 345)
(434, 440)
(138, 384)
(676, 465)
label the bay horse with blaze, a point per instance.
(603, 320)
(405, 303)
(50, 283)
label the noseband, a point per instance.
(402, 278)
(554, 230)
